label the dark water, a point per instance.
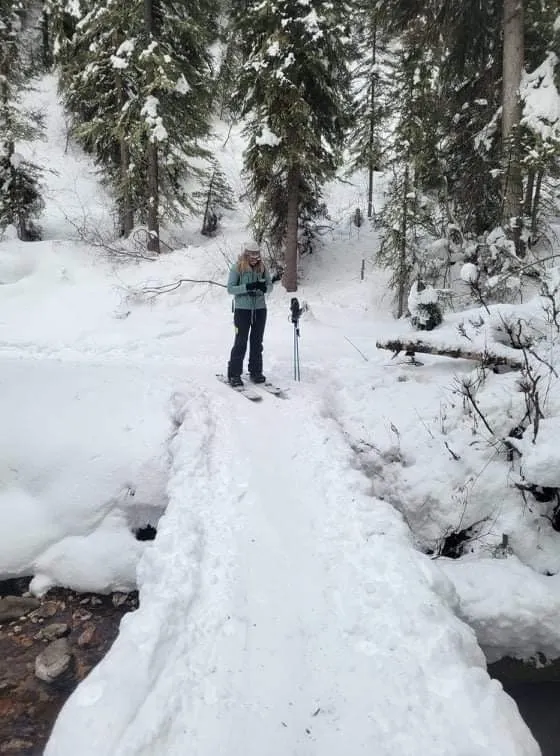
(539, 705)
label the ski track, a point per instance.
(292, 685)
(263, 653)
(237, 599)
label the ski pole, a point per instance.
(296, 354)
(295, 313)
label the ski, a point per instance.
(247, 391)
(272, 388)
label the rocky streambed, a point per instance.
(47, 646)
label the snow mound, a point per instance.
(84, 461)
(513, 610)
(27, 527)
(541, 458)
(102, 561)
(469, 273)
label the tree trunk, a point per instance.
(512, 68)
(209, 195)
(45, 41)
(536, 203)
(528, 204)
(371, 165)
(153, 197)
(402, 275)
(289, 278)
(152, 16)
(422, 347)
(126, 213)
(126, 210)
(151, 19)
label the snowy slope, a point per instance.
(284, 608)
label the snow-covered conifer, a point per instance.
(20, 197)
(294, 89)
(371, 105)
(139, 90)
(227, 70)
(216, 197)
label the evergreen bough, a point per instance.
(20, 195)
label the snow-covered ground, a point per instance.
(286, 606)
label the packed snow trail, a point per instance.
(271, 616)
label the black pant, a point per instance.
(246, 321)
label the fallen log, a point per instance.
(410, 348)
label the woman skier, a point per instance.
(248, 282)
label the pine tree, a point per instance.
(489, 150)
(136, 78)
(508, 150)
(20, 197)
(371, 104)
(294, 90)
(218, 196)
(228, 71)
(470, 75)
(415, 157)
(540, 137)
(513, 58)
(449, 126)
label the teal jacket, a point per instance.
(237, 287)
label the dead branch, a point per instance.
(467, 391)
(411, 347)
(94, 238)
(166, 288)
(456, 457)
(543, 362)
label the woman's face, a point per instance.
(254, 258)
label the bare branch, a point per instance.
(466, 390)
(455, 456)
(166, 288)
(94, 238)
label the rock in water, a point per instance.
(14, 607)
(53, 661)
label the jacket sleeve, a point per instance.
(234, 286)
